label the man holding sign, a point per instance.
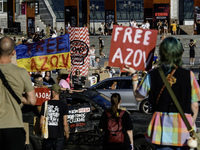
(132, 46)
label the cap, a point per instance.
(102, 69)
(56, 87)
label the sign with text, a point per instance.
(45, 55)
(79, 118)
(42, 95)
(133, 47)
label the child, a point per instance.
(192, 45)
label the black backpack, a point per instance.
(115, 129)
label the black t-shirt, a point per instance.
(126, 124)
(56, 111)
(100, 43)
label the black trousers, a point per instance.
(12, 139)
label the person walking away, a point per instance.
(192, 45)
(159, 26)
(114, 113)
(102, 28)
(165, 27)
(61, 31)
(174, 28)
(57, 121)
(101, 47)
(167, 131)
(92, 55)
(147, 25)
(12, 133)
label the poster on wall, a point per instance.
(197, 20)
(161, 12)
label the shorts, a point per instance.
(100, 50)
(165, 27)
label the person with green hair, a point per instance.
(166, 130)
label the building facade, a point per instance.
(91, 13)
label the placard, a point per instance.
(79, 118)
(133, 47)
(42, 95)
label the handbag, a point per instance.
(194, 140)
(45, 133)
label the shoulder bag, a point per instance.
(194, 140)
(45, 133)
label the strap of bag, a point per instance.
(190, 129)
(45, 108)
(7, 85)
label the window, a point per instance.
(112, 84)
(1, 6)
(126, 84)
(188, 9)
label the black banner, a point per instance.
(79, 118)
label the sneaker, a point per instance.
(105, 56)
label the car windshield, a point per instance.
(99, 99)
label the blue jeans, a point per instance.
(55, 143)
(163, 147)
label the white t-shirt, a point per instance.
(147, 25)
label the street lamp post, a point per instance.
(93, 8)
(129, 6)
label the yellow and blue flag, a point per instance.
(45, 55)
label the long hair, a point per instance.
(170, 52)
(115, 99)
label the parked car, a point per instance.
(85, 110)
(123, 86)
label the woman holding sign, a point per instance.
(166, 129)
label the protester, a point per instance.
(54, 35)
(18, 42)
(111, 71)
(165, 27)
(192, 45)
(131, 23)
(102, 28)
(101, 47)
(12, 133)
(96, 63)
(92, 55)
(61, 31)
(167, 129)
(38, 81)
(147, 25)
(48, 78)
(77, 86)
(114, 111)
(143, 26)
(23, 40)
(57, 112)
(111, 27)
(159, 26)
(174, 28)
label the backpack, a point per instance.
(114, 128)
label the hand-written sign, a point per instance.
(42, 95)
(133, 47)
(80, 80)
(45, 55)
(79, 118)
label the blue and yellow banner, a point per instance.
(45, 55)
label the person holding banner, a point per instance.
(167, 129)
(12, 133)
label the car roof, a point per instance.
(109, 79)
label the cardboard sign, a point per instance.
(104, 76)
(80, 80)
(42, 95)
(45, 55)
(133, 47)
(79, 118)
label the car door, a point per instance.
(125, 89)
(108, 87)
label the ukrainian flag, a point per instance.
(45, 55)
